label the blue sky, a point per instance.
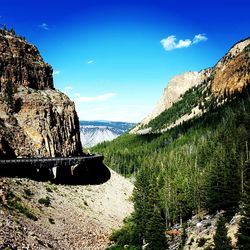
(114, 58)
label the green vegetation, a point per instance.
(184, 236)
(221, 241)
(28, 192)
(48, 189)
(198, 164)
(45, 201)
(244, 230)
(51, 221)
(201, 242)
(15, 203)
(195, 96)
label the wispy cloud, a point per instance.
(56, 72)
(170, 42)
(90, 61)
(44, 26)
(199, 38)
(77, 94)
(98, 98)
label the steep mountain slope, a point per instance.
(176, 87)
(94, 132)
(35, 119)
(37, 215)
(230, 75)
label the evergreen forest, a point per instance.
(202, 163)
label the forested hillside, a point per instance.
(198, 164)
(193, 157)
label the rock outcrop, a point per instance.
(35, 119)
(232, 72)
(176, 87)
(229, 76)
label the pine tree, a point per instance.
(140, 198)
(221, 241)
(156, 238)
(244, 227)
(155, 229)
(183, 236)
(147, 216)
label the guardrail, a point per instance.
(51, 160)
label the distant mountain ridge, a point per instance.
(94, 132)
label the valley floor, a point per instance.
(42, 215)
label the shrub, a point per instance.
(201, 242)
(28, 192)
(44, 201)
(51, 220)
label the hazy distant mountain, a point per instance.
(94, 132)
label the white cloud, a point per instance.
(199, 38)
(56, 72)
(102, 97)
(44, 26)
(90, 61)
(170, 43)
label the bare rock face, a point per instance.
(232, 72)
(176, 87)
(35, 119)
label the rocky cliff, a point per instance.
(35, 119)
(232, 73)
(229, 76)
(176, 87)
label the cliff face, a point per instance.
(35, 119)
(230, 75)
(232, 72)
(176, 87)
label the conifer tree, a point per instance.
(148, 220)
(140, 198)
(221, 241)
(244, 227)
(183, 236)
(155, 228)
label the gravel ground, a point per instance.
(43, 215)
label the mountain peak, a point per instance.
(230, 75)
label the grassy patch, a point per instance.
(15, 203)
(44, 201)
(48, 189)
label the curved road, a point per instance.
(48, 161)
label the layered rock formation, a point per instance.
(35, 119)
(230, 75)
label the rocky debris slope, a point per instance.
(229, 76)
(200, 231)
(35, 119)
(37, 215)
